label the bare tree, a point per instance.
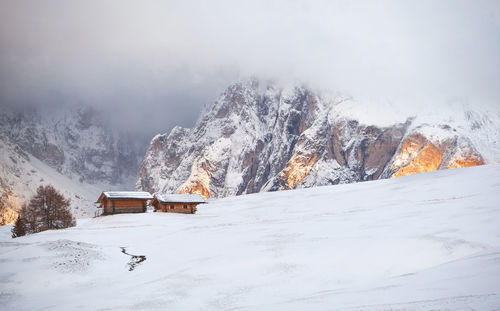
(47, 209)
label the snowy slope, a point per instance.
(70, 148)
(21, 174)
(427, 241)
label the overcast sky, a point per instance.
(173, 57)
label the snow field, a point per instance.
(428, 241)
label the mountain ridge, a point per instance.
(264, 138)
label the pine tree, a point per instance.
(19, 228)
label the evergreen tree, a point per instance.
(19, 228)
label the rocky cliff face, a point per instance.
(418, 154)
(72, 148)
(257, 138)
(76, 142)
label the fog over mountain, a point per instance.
(295, 154)
(162, 61)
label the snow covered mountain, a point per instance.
(423, 242)
(71, 148)
(265, 138)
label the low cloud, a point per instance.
(173, 57)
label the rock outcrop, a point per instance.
(10, 205)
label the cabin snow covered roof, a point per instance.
(180, 198)
(114, 195)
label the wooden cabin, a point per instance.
(177, 203)
(117, 202)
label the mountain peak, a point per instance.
(260, 137)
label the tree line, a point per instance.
(47, 209)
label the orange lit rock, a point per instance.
(197, 188)
(199, 181)
(298, 168)
(418, 155)
(10, 205)
(467, 162)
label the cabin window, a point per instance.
(185, 206)
(171, 207)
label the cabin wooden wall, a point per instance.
(178, 208)
(124, 206)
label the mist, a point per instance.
(162, 61)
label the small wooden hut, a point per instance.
(116, 202)
(177, 203)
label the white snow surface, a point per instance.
(422, 242)
(178, 198)
(128, 195)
